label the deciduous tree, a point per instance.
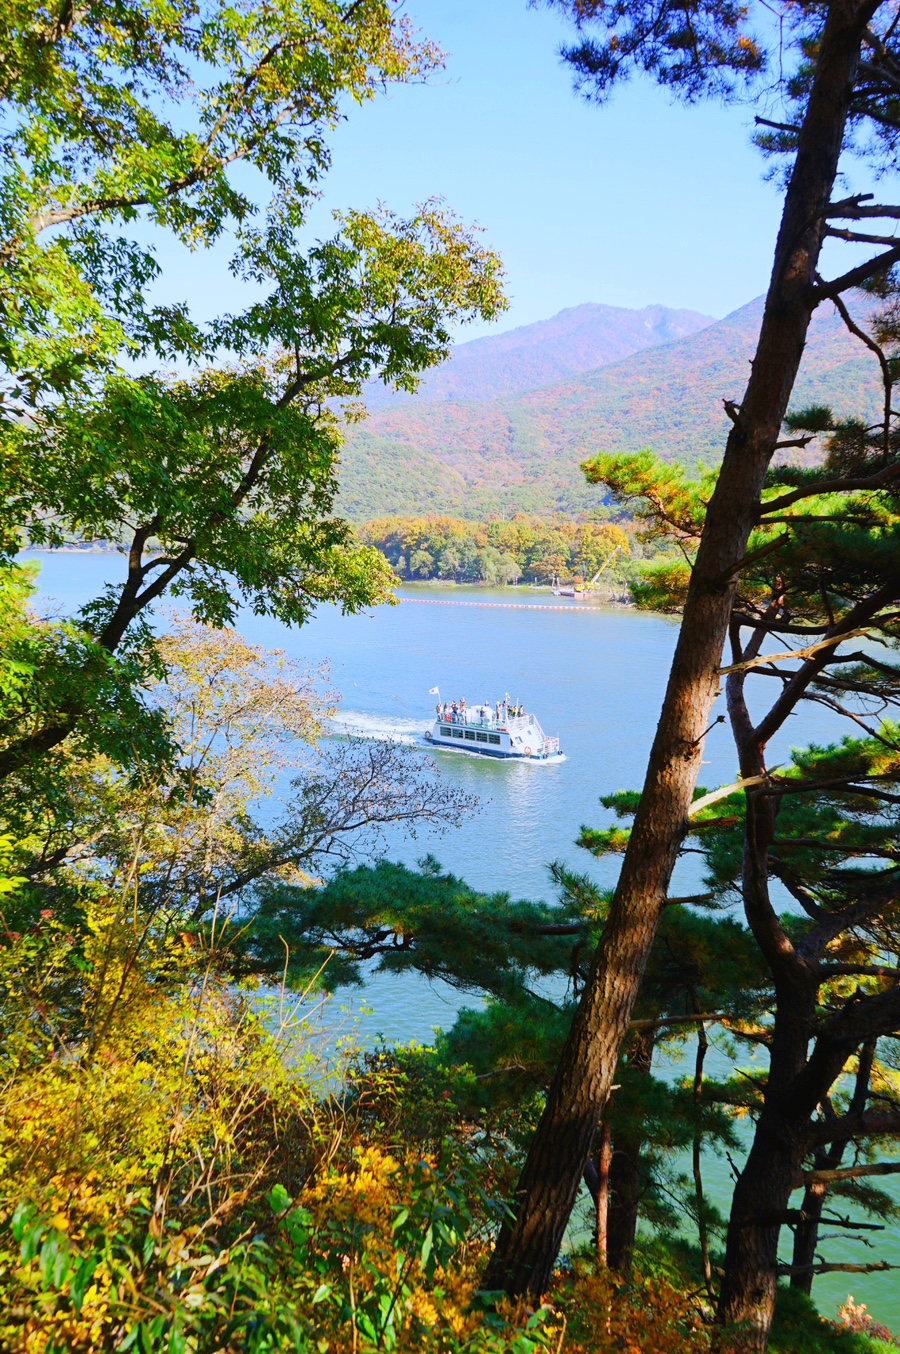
(219, 485)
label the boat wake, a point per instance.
(411, 733)
(385, 728)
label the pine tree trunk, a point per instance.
(624, 1198)
(697, 1153)
(527, 1248)
(761, 1198)
(603, 1191)
(625, 1172)
(806, 1235)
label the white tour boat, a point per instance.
(502, 730)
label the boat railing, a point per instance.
(471, 720)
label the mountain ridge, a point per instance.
(475, 459)
(577, 339)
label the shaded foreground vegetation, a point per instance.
(188, 1164)
(182, 1188)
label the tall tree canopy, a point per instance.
(140, 112)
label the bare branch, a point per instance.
(877, 1267)
(723, 792)
(882, 360)
(778, 126)
(849, 210)
(754, 556)
(856, 276)
(765, 660)
(857, 237)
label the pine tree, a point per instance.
(821, 574)
(839, 87)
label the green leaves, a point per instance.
(279, 1199)
(235, 489)
(816, 418)
(138, 110)
(60, 1266)
(661, 494)
(223, 483)
(380, 298)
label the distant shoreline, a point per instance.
(610, 598)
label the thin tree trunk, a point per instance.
(625, 1172)
(762, 1193)
(603, 1172)
(697, 1157)
(527, 1247)
(806, 1234)
(759, 1204)
(624, 1198)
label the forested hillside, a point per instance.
(523, 453)
(578, 339)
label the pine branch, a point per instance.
(856, 276)
(850, 1173)
(857, 237)
(754, 556)
(881, 480)
(877, 1267)
(777, 126)
(850, 210)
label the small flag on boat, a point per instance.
(434, 691)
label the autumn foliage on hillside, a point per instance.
(496, 551)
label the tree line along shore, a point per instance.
(500, 551)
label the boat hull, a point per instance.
(497, 754)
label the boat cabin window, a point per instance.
(482, 737)
(457, 733)
(470, 735)
(445, 731)
(493, 738)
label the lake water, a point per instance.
(593, 676)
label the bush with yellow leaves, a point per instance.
(178, 1172)
(182, 1170)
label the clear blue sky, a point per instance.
(637, 202)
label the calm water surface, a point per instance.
(594, 676)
